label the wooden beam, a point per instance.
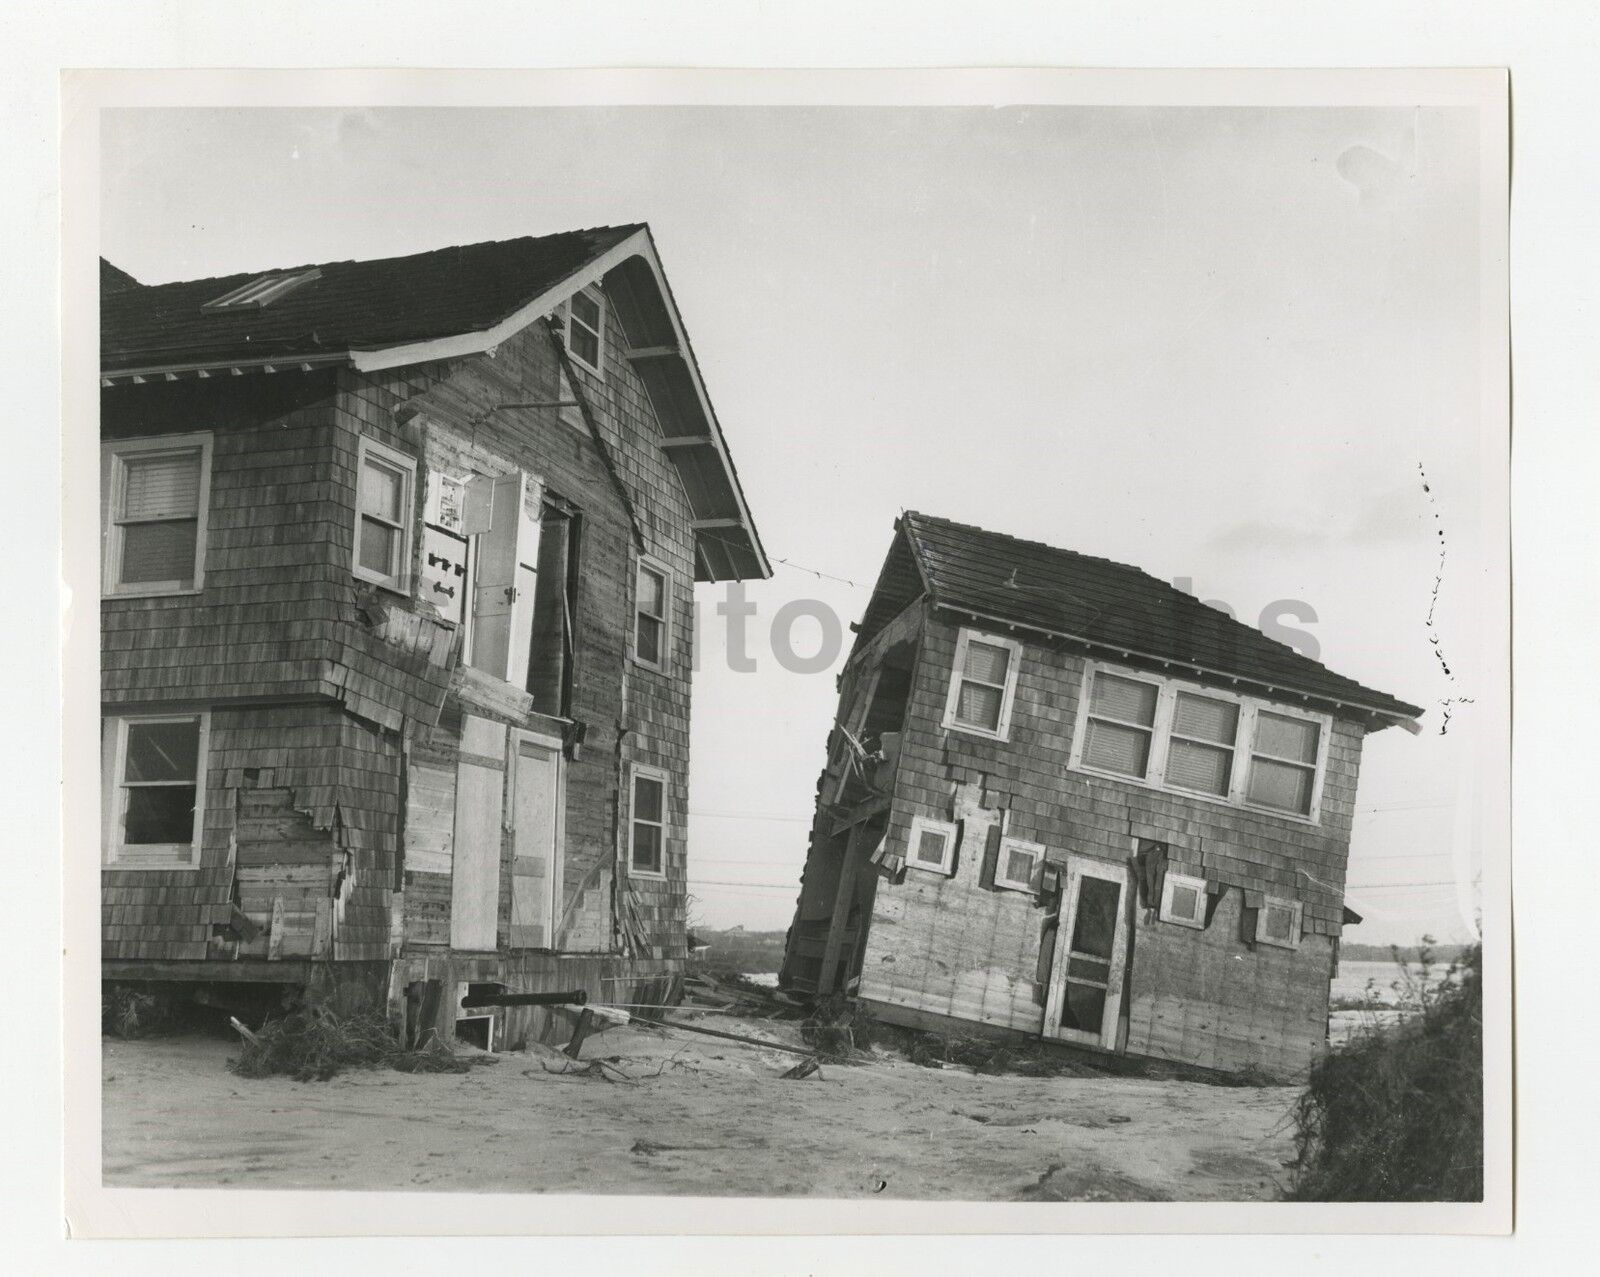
(855, 854)
(701, 525)
(651, 352)
(687, 441)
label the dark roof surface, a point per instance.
(1114, 605)
(352, 306)
(114, 280)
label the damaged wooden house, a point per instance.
(1067, 802)
(396, 626)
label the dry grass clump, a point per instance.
(837, 1028)
(1396, 1114)
(130, 1012)
(314, 1043)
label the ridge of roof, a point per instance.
(1244, 648)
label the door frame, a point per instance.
(558, 855)
(1078, 868)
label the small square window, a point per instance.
(1183, 901)
(932, 846)
(586, 328)
(1018, 866)
(1278, 923)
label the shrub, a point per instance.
(1396, 1114)
(313, 1043)
(130, 1011)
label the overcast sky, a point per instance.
(1216, 343)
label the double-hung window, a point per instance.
(647, 824)
(154, 790)
(1173, 735)
(384, 506)
(586, 327)
(652, 616)
(1121, 724)
(155, 494)
(1283, 763)
(983, 685)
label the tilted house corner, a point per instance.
(397, 588)
(1065, 801)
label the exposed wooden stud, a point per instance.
(686, 441)
(701, 525)
(650, 352)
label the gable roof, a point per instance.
(1115, 607)
(444, 304)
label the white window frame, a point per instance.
(1296, 919)
(1155, 729)
(1032, 849)
(114, 759)
(1243, 746)
(595, 295)
(1008, 694)
(407, 465)
(113, 453)
(646, 563)
(927, 824)
(1171, 883)
(637, 772)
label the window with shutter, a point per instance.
(505, 570)
(155, 494)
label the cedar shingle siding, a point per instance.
(339, 711)
(930, 949)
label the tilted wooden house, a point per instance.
(396, 624)
(1064, 800)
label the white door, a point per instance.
(1091, 951)
(536, 895)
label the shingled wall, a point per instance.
(953, 947)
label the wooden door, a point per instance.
(536, 895)
(475, 862)
(1091, 952)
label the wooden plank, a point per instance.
(475, 870)
(275, 933)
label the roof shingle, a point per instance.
(1113, 605)
(352, 306)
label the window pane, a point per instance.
(1277, 922)
(1280, 785)
(159, 814)
(647, 847)
(381, 488)
(987, 663)
(1203, 767)
(649, 645)
(161, 487)
(1084, 1009)
(647, 796)
(1019, 865)
(585, 345)
(586, 310)
(379, 543)
(1096, 925)
(1206, 719)
(652, 592)
(1286, 737)
(1117, 749)
(158, 551)
(1088, 970)
(1124, 698)
(162, 751)
(979, 706)
(1185, 902)
(930, 847)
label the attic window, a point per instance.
(586, 326)
(263, 291)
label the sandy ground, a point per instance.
(699, 1117)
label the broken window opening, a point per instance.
(553, 642)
